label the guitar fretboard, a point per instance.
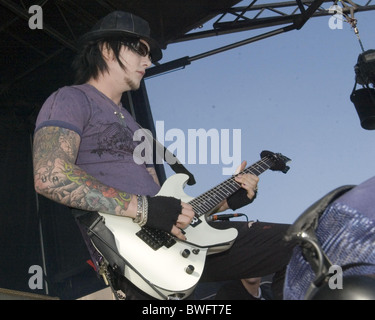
(209, 200)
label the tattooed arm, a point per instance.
(58, 178)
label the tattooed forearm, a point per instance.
(58, 178)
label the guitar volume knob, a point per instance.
(185, 253)
(189, 269)
(195, 251)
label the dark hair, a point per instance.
(89, 61)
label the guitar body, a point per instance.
(199, 233)
(165, 267)
(165, 272)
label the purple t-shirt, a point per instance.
(107, 145)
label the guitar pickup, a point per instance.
(156, 238)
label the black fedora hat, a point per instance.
(120, 23)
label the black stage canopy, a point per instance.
(37, 61)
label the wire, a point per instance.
(353, 22)
(226, 217)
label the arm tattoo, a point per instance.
(58, 178)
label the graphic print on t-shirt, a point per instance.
(115, 140)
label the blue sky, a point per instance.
(290, 94)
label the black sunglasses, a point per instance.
(140, 48)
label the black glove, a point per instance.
(239, 199)
(163, 212)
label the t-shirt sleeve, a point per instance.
(68, 108)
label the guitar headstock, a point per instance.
(279, 161)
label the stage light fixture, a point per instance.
(364, 98)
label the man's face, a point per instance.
(135, 65)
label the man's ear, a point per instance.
(107, 52)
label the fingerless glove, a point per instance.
(239, 199)
(163, 212)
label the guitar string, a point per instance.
(225, 189)
(208, 200)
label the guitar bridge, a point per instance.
(156, 238)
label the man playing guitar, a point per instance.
(83, 158)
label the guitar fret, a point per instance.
(232, 186)
(201, 205)
(258, 171)
(210, 199)
(222, 191)
(207, 201)
(259, 168)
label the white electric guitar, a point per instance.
(168, 268)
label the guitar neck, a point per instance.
(209, 200)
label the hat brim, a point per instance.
(155, 50)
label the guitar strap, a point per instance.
(104, 242)
(168, 156)
(178, 167)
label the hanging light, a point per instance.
(364, 99)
